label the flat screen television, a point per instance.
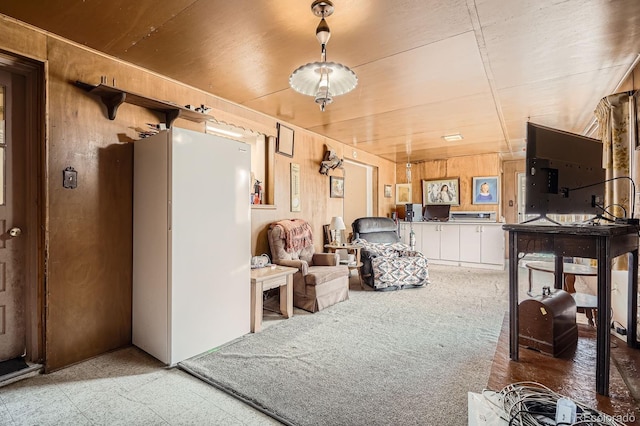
(564, 173)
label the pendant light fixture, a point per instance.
(323, 80)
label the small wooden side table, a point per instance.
(350, 248)
(266, 278)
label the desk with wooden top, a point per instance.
(600, 242)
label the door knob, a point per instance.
(15, 232)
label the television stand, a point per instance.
(603, 243)
(541, 217)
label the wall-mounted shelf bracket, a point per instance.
(113, 97)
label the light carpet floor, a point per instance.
(406, 357)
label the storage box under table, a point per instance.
(548, 322)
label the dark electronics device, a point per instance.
(436, 212)
(564, 173)
(413, 212)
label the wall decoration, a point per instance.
(486, 190)
(442, 191)
(284, 143)
(387, 191)
(330, 160)
(403, 193)
(336, 187)
(295, 187)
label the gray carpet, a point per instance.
(407, 357)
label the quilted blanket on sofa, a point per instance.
(395, 265)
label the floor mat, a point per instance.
(12, 365)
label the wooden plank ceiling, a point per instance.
(426, 68)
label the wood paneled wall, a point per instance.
(464, 168)
(89, 229)
(317, 207)
(510, 189)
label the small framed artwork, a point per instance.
(441, 191)
(403, 193)
(336, 187)
(486, 190)
(387, 191)
(284, 143)
(294, 171)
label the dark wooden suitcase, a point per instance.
(548, 322)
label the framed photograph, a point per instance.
(336, 187)
(486, 190)
(403, 193)
(284, 143)
(387, 191)
(442, 191)
(294, 171)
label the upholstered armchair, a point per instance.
(320, 281)
(387, 263)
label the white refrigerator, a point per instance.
(191, 243)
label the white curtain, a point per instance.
(617, 128)
(616, 115)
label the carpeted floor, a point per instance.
(407, 357)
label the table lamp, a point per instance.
(337, 224)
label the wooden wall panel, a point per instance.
(317, 207)
(89, 229)
(21, 39)
(510, 189)
(464, 168)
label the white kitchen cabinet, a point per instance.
(405, 231)
(440, 242)
(492, 247)
(470, 250)
(430, 240)
(469, 244)
(482, 244)
(449, 242)
(403, 228)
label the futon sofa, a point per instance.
(387, 263)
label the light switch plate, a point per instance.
(69, 178)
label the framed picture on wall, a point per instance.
(284, 143)
(486, 190)
(294, 171)
(403, 193)
(336, 187)
(441, 191)
(387, 191)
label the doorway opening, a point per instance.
(359, 191)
